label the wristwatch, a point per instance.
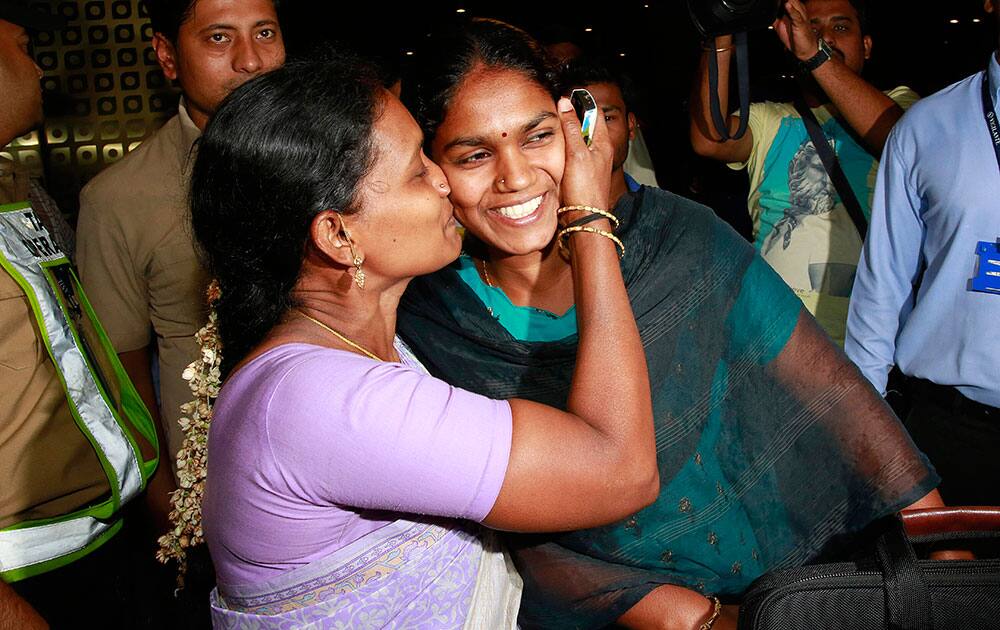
(822, 56)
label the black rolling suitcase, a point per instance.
(893, 589)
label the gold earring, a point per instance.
(359, 273)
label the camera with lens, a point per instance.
(737, 18)
(724, 17)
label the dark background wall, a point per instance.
(105, 93)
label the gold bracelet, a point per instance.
(604, 213)
(709, 47)
(716, 610)
(561, 237)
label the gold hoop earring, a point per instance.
(359, 273)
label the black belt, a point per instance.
(921, 389)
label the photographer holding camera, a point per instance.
(806, 225)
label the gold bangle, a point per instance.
(716, 610)
(709, 47)
(561, 238)
(604, 213)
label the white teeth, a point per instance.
(521, 210)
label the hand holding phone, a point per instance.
(586, 110)
(586, 179)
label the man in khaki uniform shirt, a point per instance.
(137, 257)
(48, 467)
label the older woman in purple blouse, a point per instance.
(346, 486)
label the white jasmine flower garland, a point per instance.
(205, 378)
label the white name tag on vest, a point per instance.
(28, 230)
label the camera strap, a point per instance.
(743, 80)
(989, 112)
(832, 166)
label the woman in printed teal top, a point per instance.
(771, 446)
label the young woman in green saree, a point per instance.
(772, 447)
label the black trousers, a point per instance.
(961, 438)
(121, 585)
(90, 591)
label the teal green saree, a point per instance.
(772, 447)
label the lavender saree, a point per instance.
(409, 574)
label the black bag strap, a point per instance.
(832, 165)
(907, 596)
(743, 80)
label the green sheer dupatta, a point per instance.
(806, 451)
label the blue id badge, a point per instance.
(987, 279)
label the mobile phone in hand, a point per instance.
(586, 110)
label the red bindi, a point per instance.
(503, 135)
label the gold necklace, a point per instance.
(489, 283)
(356, 346)
(486, 275)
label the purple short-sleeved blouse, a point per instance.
(311, 448)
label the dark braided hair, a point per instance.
(491, 43)
(280, 149)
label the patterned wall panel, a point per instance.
(104, 94)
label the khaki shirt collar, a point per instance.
(189, 131)
(15, 185)
(189, 134)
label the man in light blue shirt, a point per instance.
(921, 299)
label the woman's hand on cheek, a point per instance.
(587, 178)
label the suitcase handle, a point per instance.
(947, 521)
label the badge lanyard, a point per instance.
(987, 279)
(989, 112)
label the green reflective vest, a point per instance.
(101, 398)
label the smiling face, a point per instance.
(501, 147)
(838, 23)
(220, 46)
(406, 227)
